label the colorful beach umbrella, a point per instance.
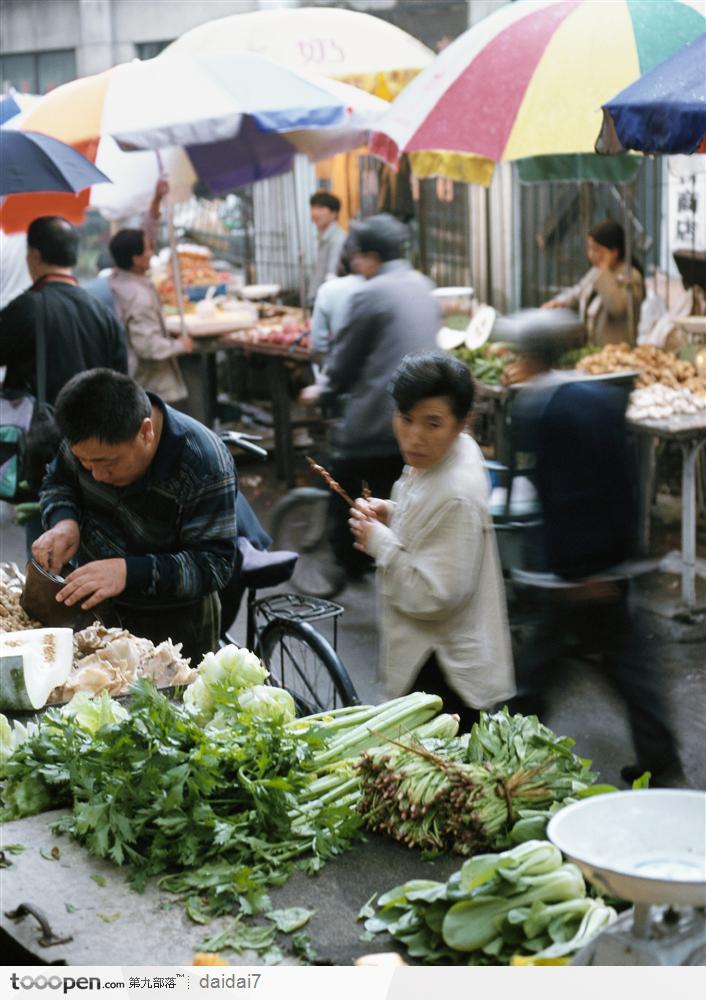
(30, 161)
(346, 45)
(527, 81)
(237, 120)
(664, 111)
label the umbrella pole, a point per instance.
(176, 270)
(171, 235)
(627, 202)
(298, 237)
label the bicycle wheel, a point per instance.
(298, 522)
(301, 660)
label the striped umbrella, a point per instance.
(529, 80)
(664, 111)
(236, 120)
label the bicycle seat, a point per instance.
(264, 569)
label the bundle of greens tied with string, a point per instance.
(492, 787)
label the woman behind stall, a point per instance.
(444, 621)
(601, 296)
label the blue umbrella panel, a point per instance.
(662, 112)
(31, 161)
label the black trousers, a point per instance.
(607, 627)
(380, 473)
(431, 680)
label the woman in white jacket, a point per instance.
(444, 619)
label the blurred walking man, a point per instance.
(574, 434)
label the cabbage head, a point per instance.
(271, 703)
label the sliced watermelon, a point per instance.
(32, 663)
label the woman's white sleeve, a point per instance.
(442, 571)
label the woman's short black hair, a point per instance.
(55, 238)
(103, 404)
(125, 245)
(326, 200)
(431, 374)
(611, 235)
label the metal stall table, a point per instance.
(690, 433)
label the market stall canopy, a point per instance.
(344, 44)
(30, 161)
(528, 81)
(664, 111)
(236, 121)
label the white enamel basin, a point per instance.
(646, 846)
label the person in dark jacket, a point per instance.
(80, 333)
(393, 314)
(572, 436)
(144, 498)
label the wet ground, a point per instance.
(582, 705)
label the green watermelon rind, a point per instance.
(13, 686)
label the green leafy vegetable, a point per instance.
(100, 880)
(291, 919)
(93, 711)
(108, 918)
(524, 901)
(468, 793)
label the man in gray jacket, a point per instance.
(392, 315)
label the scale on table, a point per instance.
(646, 846)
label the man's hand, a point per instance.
(93, 583)
(55, 547)
(186, 343)
(310, 395)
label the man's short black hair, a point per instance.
(431, 374)
(55, 239)
(103, 404)
(125, 245)
(383, 235)
(326, 200)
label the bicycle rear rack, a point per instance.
(297, 608)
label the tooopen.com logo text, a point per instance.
(63, 983)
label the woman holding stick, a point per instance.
(444, 619)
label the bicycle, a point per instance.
(278, 628)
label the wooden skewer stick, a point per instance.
(366, 492)
(330, 481)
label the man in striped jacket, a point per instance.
(144, 498)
